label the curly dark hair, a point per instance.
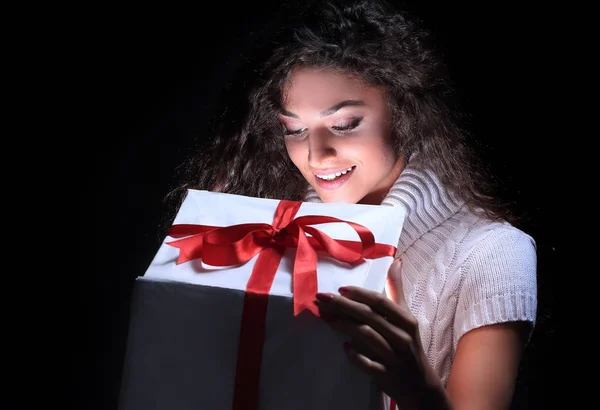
(376, 43)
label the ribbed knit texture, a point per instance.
(460, 271)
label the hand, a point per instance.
(384, 339)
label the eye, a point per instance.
(348, 127)
(295, 132)
(295, 135)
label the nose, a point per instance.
(320, 149)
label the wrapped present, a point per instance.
(224, 317)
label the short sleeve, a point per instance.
(499, 281)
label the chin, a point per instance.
(337, 199)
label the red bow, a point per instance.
(237, 244)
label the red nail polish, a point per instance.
(324, 296)
(343, 290)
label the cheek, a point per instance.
(383, 147)
(386, 151)
(295, 151)
(372, 149)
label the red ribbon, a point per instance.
(237, 244)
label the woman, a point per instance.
(353, 107)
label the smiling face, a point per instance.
(338, 134)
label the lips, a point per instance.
(335, 183)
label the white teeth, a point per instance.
(334, 176)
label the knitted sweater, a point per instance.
(460, 271)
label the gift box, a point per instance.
(224, 316)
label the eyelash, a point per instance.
(341, 129)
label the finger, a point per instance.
(394, 313)
(393, 285)
(363, 362)
(340, 306)
(378, 371)
(374, 345)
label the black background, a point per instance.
(157, 79)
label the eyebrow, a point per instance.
(331, 110)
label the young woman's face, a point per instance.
(338, 134)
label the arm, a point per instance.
(494, 318)
(485, 366)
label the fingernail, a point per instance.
(347, 346)
(343, 290)
(398, 259)
(325, 297)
